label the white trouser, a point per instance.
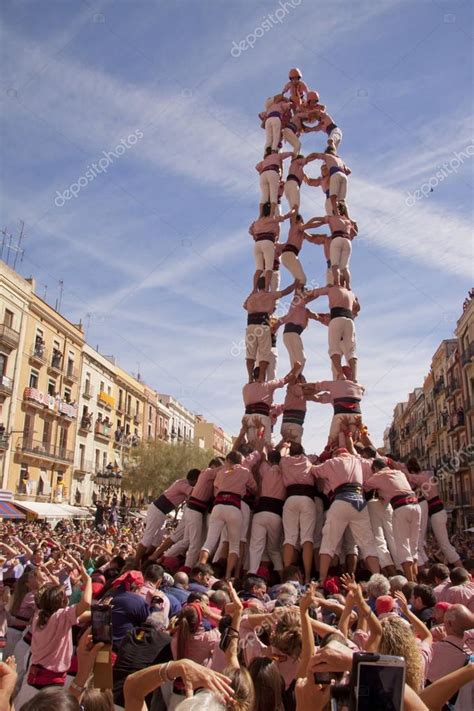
(341, 337)
(340, 252)
(269, 182)
(406, 525)
(342, 514)
(195, 534)
(258, 342)
(177, 534)
(179, 538)
(335, 136)
(378, 513)
(272, 132)
(421, 553)
(264, 254)
(294, 346)
(245, 511)
(292, 193)
(291, 432)
(252, 432)
(267, 529)
(320, 517)
(346, 546)
(275, 282)
(291, 261)
(230, 517)
(154, 531)
(328, 206)
(291, 138)
(338, 185)
(21, 653)
(438, 524)
(298, 520)
(272, 364)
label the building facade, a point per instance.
(435, 425)
(43, 420)
(181, 420)
(213, 437)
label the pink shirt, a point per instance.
(148, 591)
(296, 235)
(340, 224)
(427, 481)
(271, 481)
(449, 654)
(297, 470)
(204, 486)
(389, 483)
(261, 392)
(273, 159)
(340, 389)
(261, 302)
(441, 590)
(235, 479)
(25, 611)
(296, 168)
(297, 313)
(178, 491)
(346, 469)
(461, 595)
(200, 647)
(51, 645)
(294, 398)
(265, 225)
(338, 296)
(253, 647)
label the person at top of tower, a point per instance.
(296, 87)
(275, 107)
(326, 124)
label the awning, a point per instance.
(8, 510)
(53, 511)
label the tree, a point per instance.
(154, 465)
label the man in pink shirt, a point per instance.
(299, 512)
(433, 512)
(343, 231)
(265, 232)
(275, 107)
(294, 411)
(461, 589)
(345, 396)
(338, 172)
(323, 183)
(174, 495)
(326, 124)
(453, 651)
(259, 305)
(394, 487)
(292, 247)
(344, 306)
(295, 322)
(258, 399)
(343, 475)
(270, 170)
(231, 483)
(295, 178)
(267, 527)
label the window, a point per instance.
(28, 427)
(109, 390)
(63, 438)
(120, 402)
(70, 363)
(119, 424)
(102, 386)
(67, 394)
(87, 384)
(3, 364)
(97, 460)
(149, 431)
(33, 382)
(8, 318)
(104, 460)
(150, 412)
(52, 388)
(82, 454)
(129, 404)
(47, 432)
(22, 484)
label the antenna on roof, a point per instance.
(57, 306)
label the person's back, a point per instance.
(453, 651)
(128, 610)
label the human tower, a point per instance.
(268, 500)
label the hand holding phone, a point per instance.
(101, 624)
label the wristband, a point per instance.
(74, 685)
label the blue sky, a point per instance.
(155, 254)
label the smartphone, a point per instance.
(101, 624)
(379, 682)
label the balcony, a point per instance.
(37, 398)
(55, 367)
(44, 451)
(38, 355)
(105, 400)
(4, 439)
(102, 431)
(120, 408)
(85, 425)
(456, 421)
(82, 469)
(9, 338)
(439, 386)
(71, 375)
(6, 385)
(88, 391)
